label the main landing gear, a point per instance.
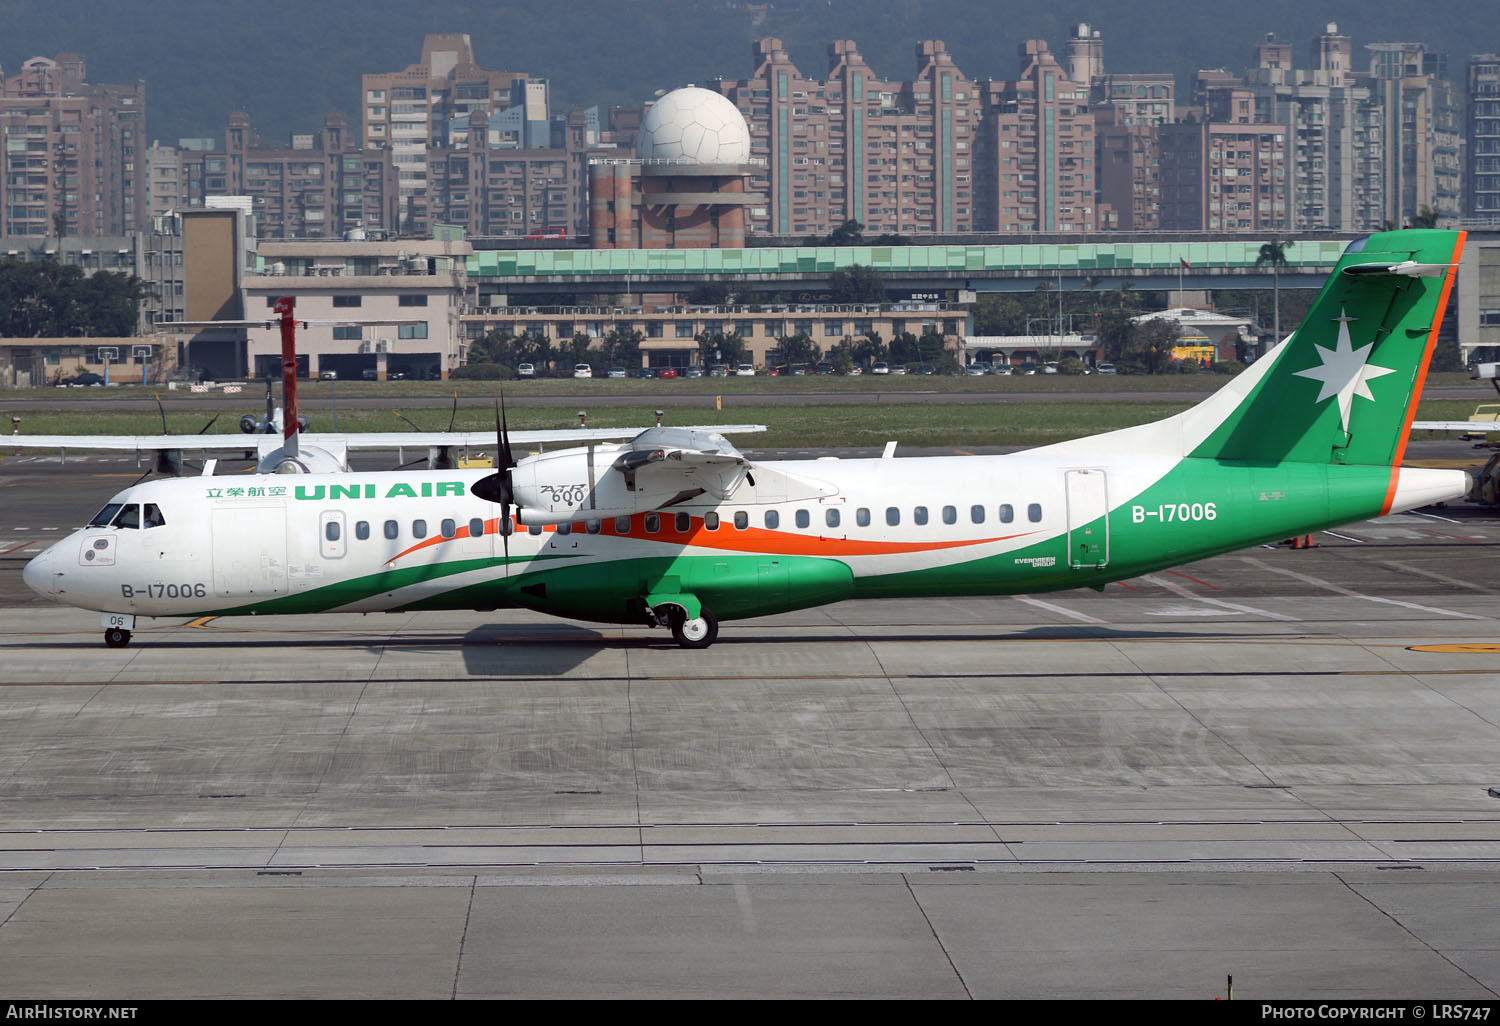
(689, 632)
(116, 637)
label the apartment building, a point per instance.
(899, 157)
(1421, 137)
(74, 152)
(1224, 176)
(322, 185)
(1037, 174)
(1482, 137)
(433, 103)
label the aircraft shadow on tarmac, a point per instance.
(540, 651)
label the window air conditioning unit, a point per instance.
(364, 347)
(383, 346)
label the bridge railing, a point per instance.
(1021, 258)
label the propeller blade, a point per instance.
(163, 411)
(453, 417)
(205, 427)
(403, 417)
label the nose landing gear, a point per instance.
(116, 637)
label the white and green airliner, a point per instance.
(676, 528)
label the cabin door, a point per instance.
(1088, 518)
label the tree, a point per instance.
(859, 284)
(850, 233)
(623, 348)
(905, 349)
(798, 349)
(869, 349)
(1154, 340)
(717, 347)
(1274, 254)
(1426, 217)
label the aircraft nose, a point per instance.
(39, 574)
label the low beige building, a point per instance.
(400, 300)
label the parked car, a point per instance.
(1105, 368)
(899, 368)
(667, 372)
(718, 370)
(1050, 367)
(926, 368)
(645, 373)
(745, 370)
(582, 370)
(694, 371)
(977, 370)
(823, 368)
(615, 372)
(328, 375)
(798, 371)
(525, 370)
(86, 378)
(880, 368)
(1026, 368)
(1002, 369)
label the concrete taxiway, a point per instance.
(1274, 765)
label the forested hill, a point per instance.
(287, 62)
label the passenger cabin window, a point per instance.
(449, 528)
(803, 518)
(129, 517)
(419, 529)
(362, 530)
(773, 519)
(892, 516)
(106, 515)
(684, 523)
(950, 514)
(1034, 513)
(392, 530)
(862, 517)
(710, 521)
(622, 525)
(976, 514)
(1007, 514)
(153, 517)
(741, 520)
(564, 528)
(653, 523)
(331, 530)
(476, 528)
(831, 517)
(592, 526)
(533, 528)
(919, 515)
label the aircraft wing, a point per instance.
(356, 440)
(1477, 427)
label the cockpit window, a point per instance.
(129, 517)
(153, 516)
(106, 515)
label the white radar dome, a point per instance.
(696, 125)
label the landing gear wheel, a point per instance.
(116, 638)
(696, 633)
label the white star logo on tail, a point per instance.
(1344, 371)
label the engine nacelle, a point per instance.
(578, 484)
(309, 459)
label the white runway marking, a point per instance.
(1060, 610)
(1178, 589)
(1330, 586)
